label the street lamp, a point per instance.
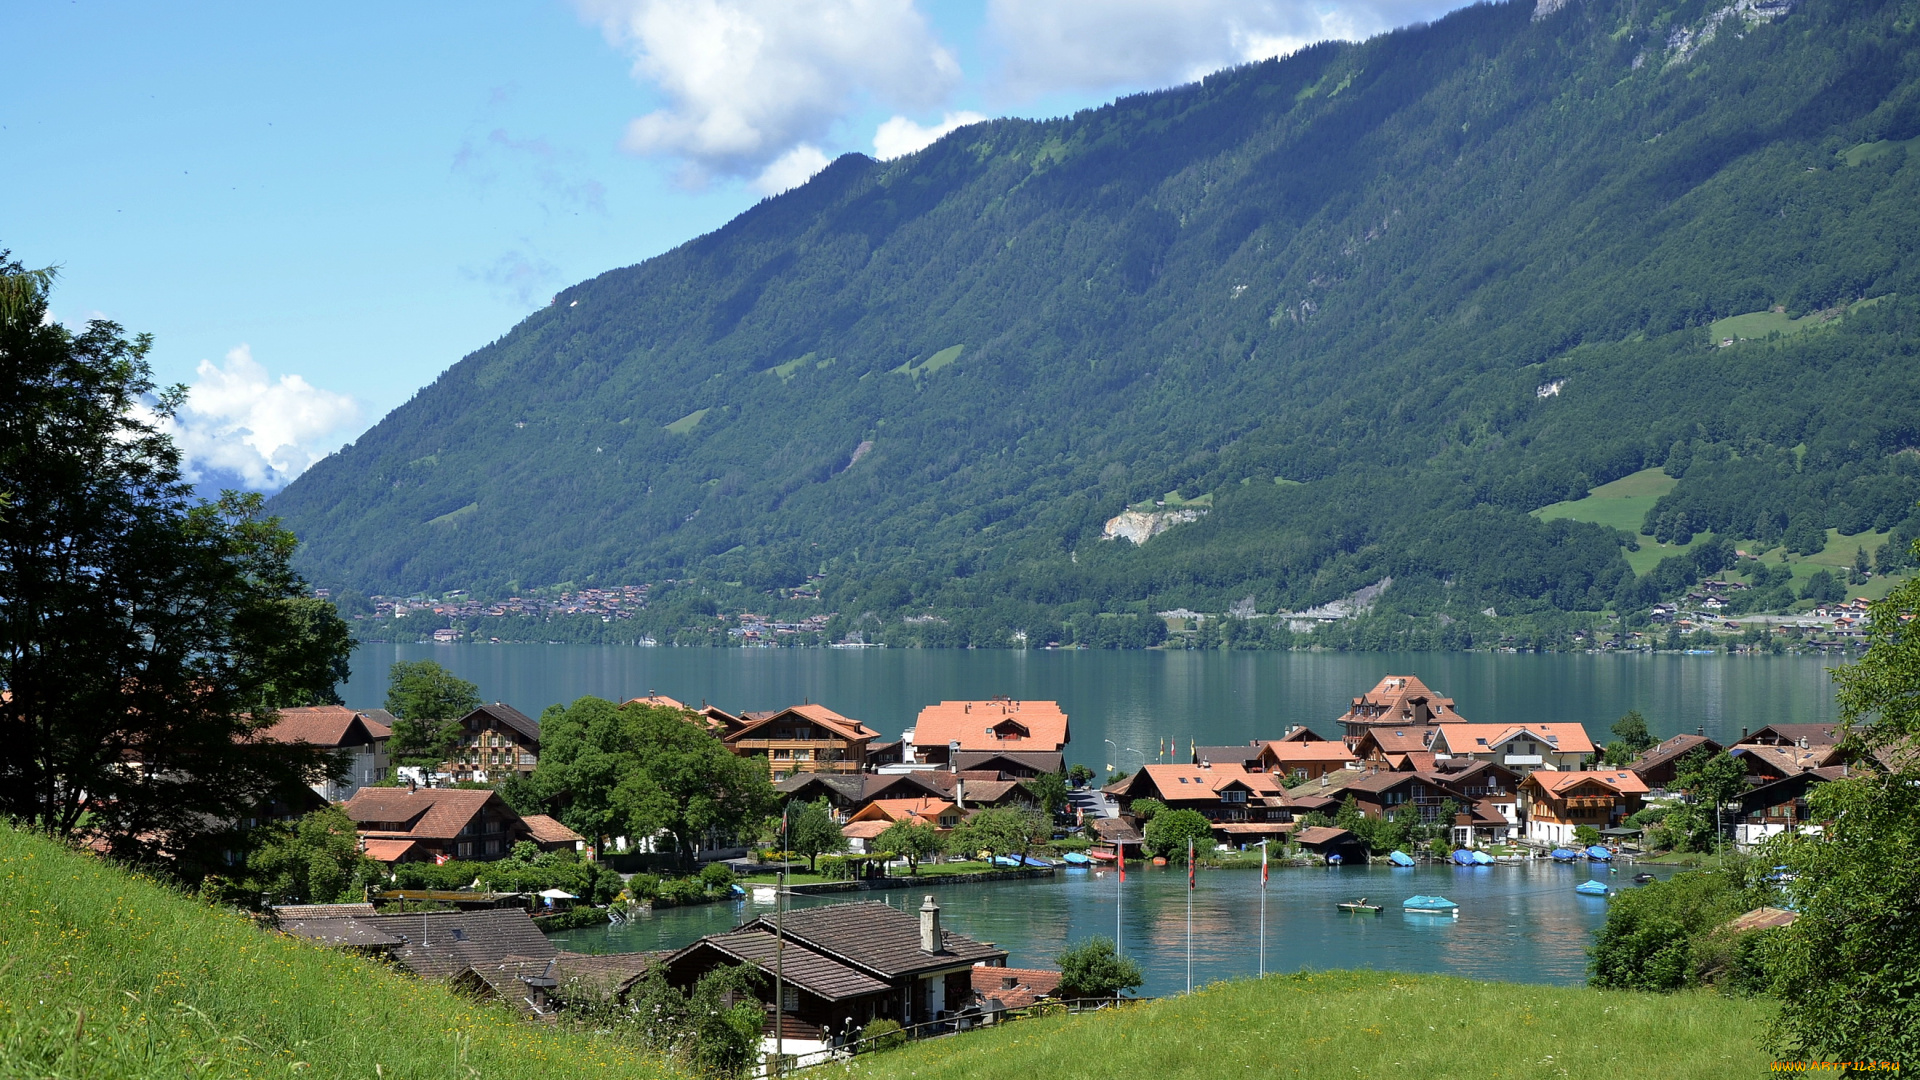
(1142, 753)
(1112, 756)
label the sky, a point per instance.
(315, 211)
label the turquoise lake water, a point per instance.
(1521, 923)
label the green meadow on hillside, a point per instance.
(110, 975)
(1362, 1024)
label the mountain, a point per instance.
(1360, 313)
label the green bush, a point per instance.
(1669, 935)
(835, 868)
(717, 877)
(674, 892)
(882, 1034)
(1586, 835)
(643, 886)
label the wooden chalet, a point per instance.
(843, 965)
(804, 739)
(551, 835)
(1556, 803)
(408, 824)
(1778, 806)
(1244, 807)
(1774, 761)
(1802, 735)
(1658, 764)
(1301, 759)
(496, 741)
(1396, 749)
(1009, 764)
(1520, 747)
(995, 725)
(1246, 755)
(1327, 842)
(1397, 701)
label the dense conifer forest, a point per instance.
(1373, 306)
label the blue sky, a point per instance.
(317, 210)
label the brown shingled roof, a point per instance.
(877, 938)
(439, 944)
(422, 814)
(548, 830)
(319, 725)
(818, 974)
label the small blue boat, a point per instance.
(1399, 858)
(1599, 854)
(1334, 859)
(1075, 858)
(1481, 858)
(1590, 887)
(1430, 905)
(1561, 854)
(1462, 857)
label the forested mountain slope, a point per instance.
(1428, 283)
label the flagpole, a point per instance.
(1263, 908)
(1189, 915)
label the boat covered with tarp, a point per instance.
(1590, 887)
(1599, 854)
(1462, 857)
(1399, 858)
(1075, 858)
(1561, 854)
(1481, 858)
(1430, 905)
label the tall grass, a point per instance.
(106, 974)
(1359, 1024)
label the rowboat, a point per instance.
(1642, 878)
(1360, 906)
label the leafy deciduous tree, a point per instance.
(812, 833)
(912, 841)
(425, 699)
(1092, 968)
(1167, 834)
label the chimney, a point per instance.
(930, 940)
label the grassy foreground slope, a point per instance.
(1364, 1024)
(105, 974)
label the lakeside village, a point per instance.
(973, 791)
(1707, 618)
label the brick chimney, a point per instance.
(930, 939)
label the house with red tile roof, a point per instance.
(1558, 802)
(1000, 989)
(361, 740)
(1298, 760)
(804, 738)
(496, 741)
(997, 724)
(1520, 747)
(409, 824)
(1398, 701)
(1244, 807)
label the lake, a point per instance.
(1144, 701)
(1521, 923)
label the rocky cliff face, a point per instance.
(1141, 526)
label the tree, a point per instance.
(912, 840)
(812, 833)
(1631, 729)
(1823, 588)
(426, 698)
(1091, 968)
(1712, 779)
(1050, 789)
(1002, 831)
(146, 638)
(713, 1029)
(1080, 775)
(315, 860)
(1656, 937)
(645, 771)
(1145, 809)
(1167, 834)
(1844, 971)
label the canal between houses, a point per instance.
(1521, 923)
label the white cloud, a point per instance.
(749, 83)
(1056, 45)
(900, 136)
(241, 427)
(791, 169)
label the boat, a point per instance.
(1561, 854)
(1019, 860)
(1360, 906)
(1332, 860)
(1591, 887)
(1599, 854)
(1463, 857)
(1101, 855)
(1075, 858)
(1430, 905)
(1642, 878)
(1400, 858)
(1481, 858)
